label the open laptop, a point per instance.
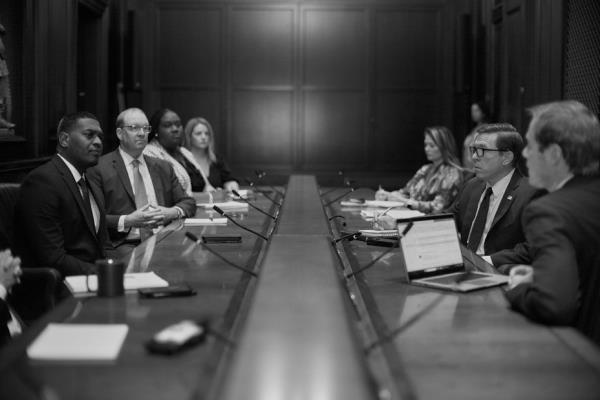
(432, 256)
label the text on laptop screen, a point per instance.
(430, 243)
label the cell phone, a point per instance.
(221, 238)
(169, 291)
(177, 337)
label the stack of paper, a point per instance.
(205, 221)
(372, 203)
(132, 281)
(78, 342)
(227, 206)
(396, 214)
(387, 233)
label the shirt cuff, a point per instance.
(3, 292)
(180, 211)
(121, 224)
(487, 259)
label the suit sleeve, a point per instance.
(41, 218)
(94, 176)
(224, 171)
(553, 296)
(180, 197)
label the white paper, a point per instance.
(132, 281)
(227, 206)
(395, 214)
(388, 233)
(78, 342)
(205, 221)
(384, 203)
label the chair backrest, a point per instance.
(9, 194)
(588, 320)
(36, 294)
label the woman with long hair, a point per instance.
(436, 184)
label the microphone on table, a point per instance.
(350, 236)
(261, 174)
(235, 192)
(217, 209)
(264, 193)
(379, 257)
(195, 239)
(347, 192)
(340, 173)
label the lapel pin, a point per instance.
(509, 198)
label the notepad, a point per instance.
(227, 206)
(205, 221)
(78, 342)
(395, 214)
(131, 281)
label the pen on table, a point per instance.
(406, 229)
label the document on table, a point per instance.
(396, 214)
(205, 221)
(78, 342)
(132, 281)
(227, 206)
(372, 203)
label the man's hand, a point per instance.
(520, 274)
(168, 214)
(381, 195)
(10, 269)
(146, 217)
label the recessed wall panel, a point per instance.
(262, 47)
(334, 126)
(262, 128)
(189, 47)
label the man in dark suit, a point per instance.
(562, 227)
(492, 227)
(59, 218)
(140, 192)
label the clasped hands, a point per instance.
(520, 274)
(151, 217)
(384, 195)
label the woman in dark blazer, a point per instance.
(207, 170)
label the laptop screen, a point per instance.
(431, 243)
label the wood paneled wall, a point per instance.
(304, 86)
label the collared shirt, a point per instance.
(498, 190)
(562, 183)
(14, 327)
(143, 168)
(77, 176)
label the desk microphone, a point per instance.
(195, 239)
(347, 192)
(235, 192)
(217, 209)
(379, 257)
(350, 236)
(340, 173)
(261, 174)
(369, 265)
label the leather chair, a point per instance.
(37, 292)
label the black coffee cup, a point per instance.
(110, 277)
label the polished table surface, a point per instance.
(430, 344)
(393, 339)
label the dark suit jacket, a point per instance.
(4, 318)
(506, 232)
(51, 227)
(110, 175)
(563, 231)
(218, 174)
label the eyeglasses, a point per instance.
(169, 124)
(136, 128)
(480, 151)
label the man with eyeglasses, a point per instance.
(560, 281)
(488, 209)
(141, 193)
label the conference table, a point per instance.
(304, 327)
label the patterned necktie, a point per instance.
(141, 197)
(85, 194)
(479, 222)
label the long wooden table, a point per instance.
(424, 343)
(304, 330)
